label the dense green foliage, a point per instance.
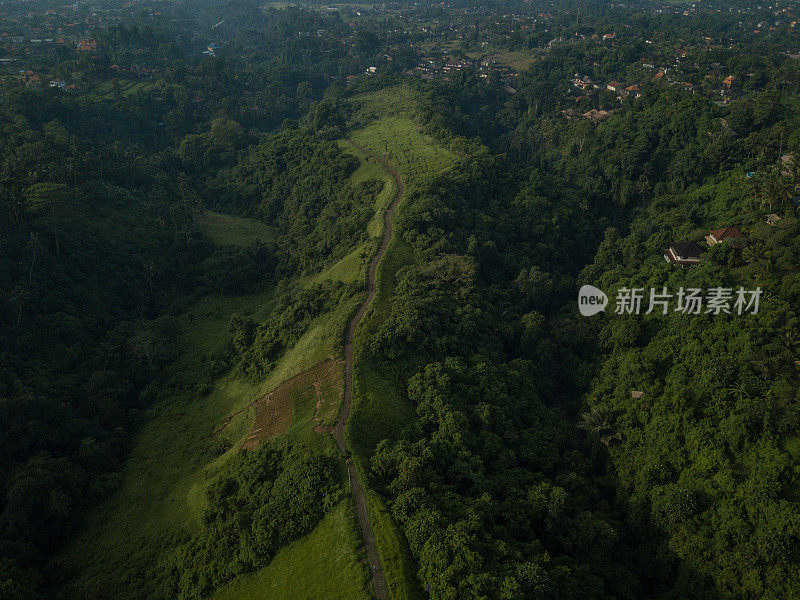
(262, 501)
(87, 273)
(708, 454)
(491, 490)
(100, 250)
(526, 467)
(698, 475)
(300, 183)
(258, 346)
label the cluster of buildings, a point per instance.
(441, 66)
(620, 89)
(688, 253)
(720, 86)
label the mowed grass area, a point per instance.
(516, 59)
(399, 140)
(324, 565)
(380, 406)
(228, 230)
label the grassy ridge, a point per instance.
(305, 570)
(380, 406)
(162, 494)
(353, 267)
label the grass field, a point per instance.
(515, 59)
(324, 565)
(309, 399)
(227, 230)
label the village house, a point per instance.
(683, 253)
(772, 219)
(30, 78)
(787, 164)
(614, 86)
(596, 116)
(87, 46)
(581, 82)
(634, 90)
(730, 234)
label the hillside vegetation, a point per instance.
(215, 219)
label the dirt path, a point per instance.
(375, 568)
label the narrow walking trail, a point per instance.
(375, 568)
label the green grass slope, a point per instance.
(234, 231)
(163, 481)
(324, 565)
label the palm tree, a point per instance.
(197, 207)
(779, 188)
(103, 352)
(18, 297)
(738, 391)
(770, 190)
(149, 271)
(34, 244)
(600, 421)
(756, 188)
(790, 337)
(16, 205)
(583, 206)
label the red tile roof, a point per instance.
(726, 233)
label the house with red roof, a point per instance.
(731, 234)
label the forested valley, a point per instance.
(185, 253)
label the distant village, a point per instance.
(488, 47)
(720, 87)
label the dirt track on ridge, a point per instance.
(375, 567)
